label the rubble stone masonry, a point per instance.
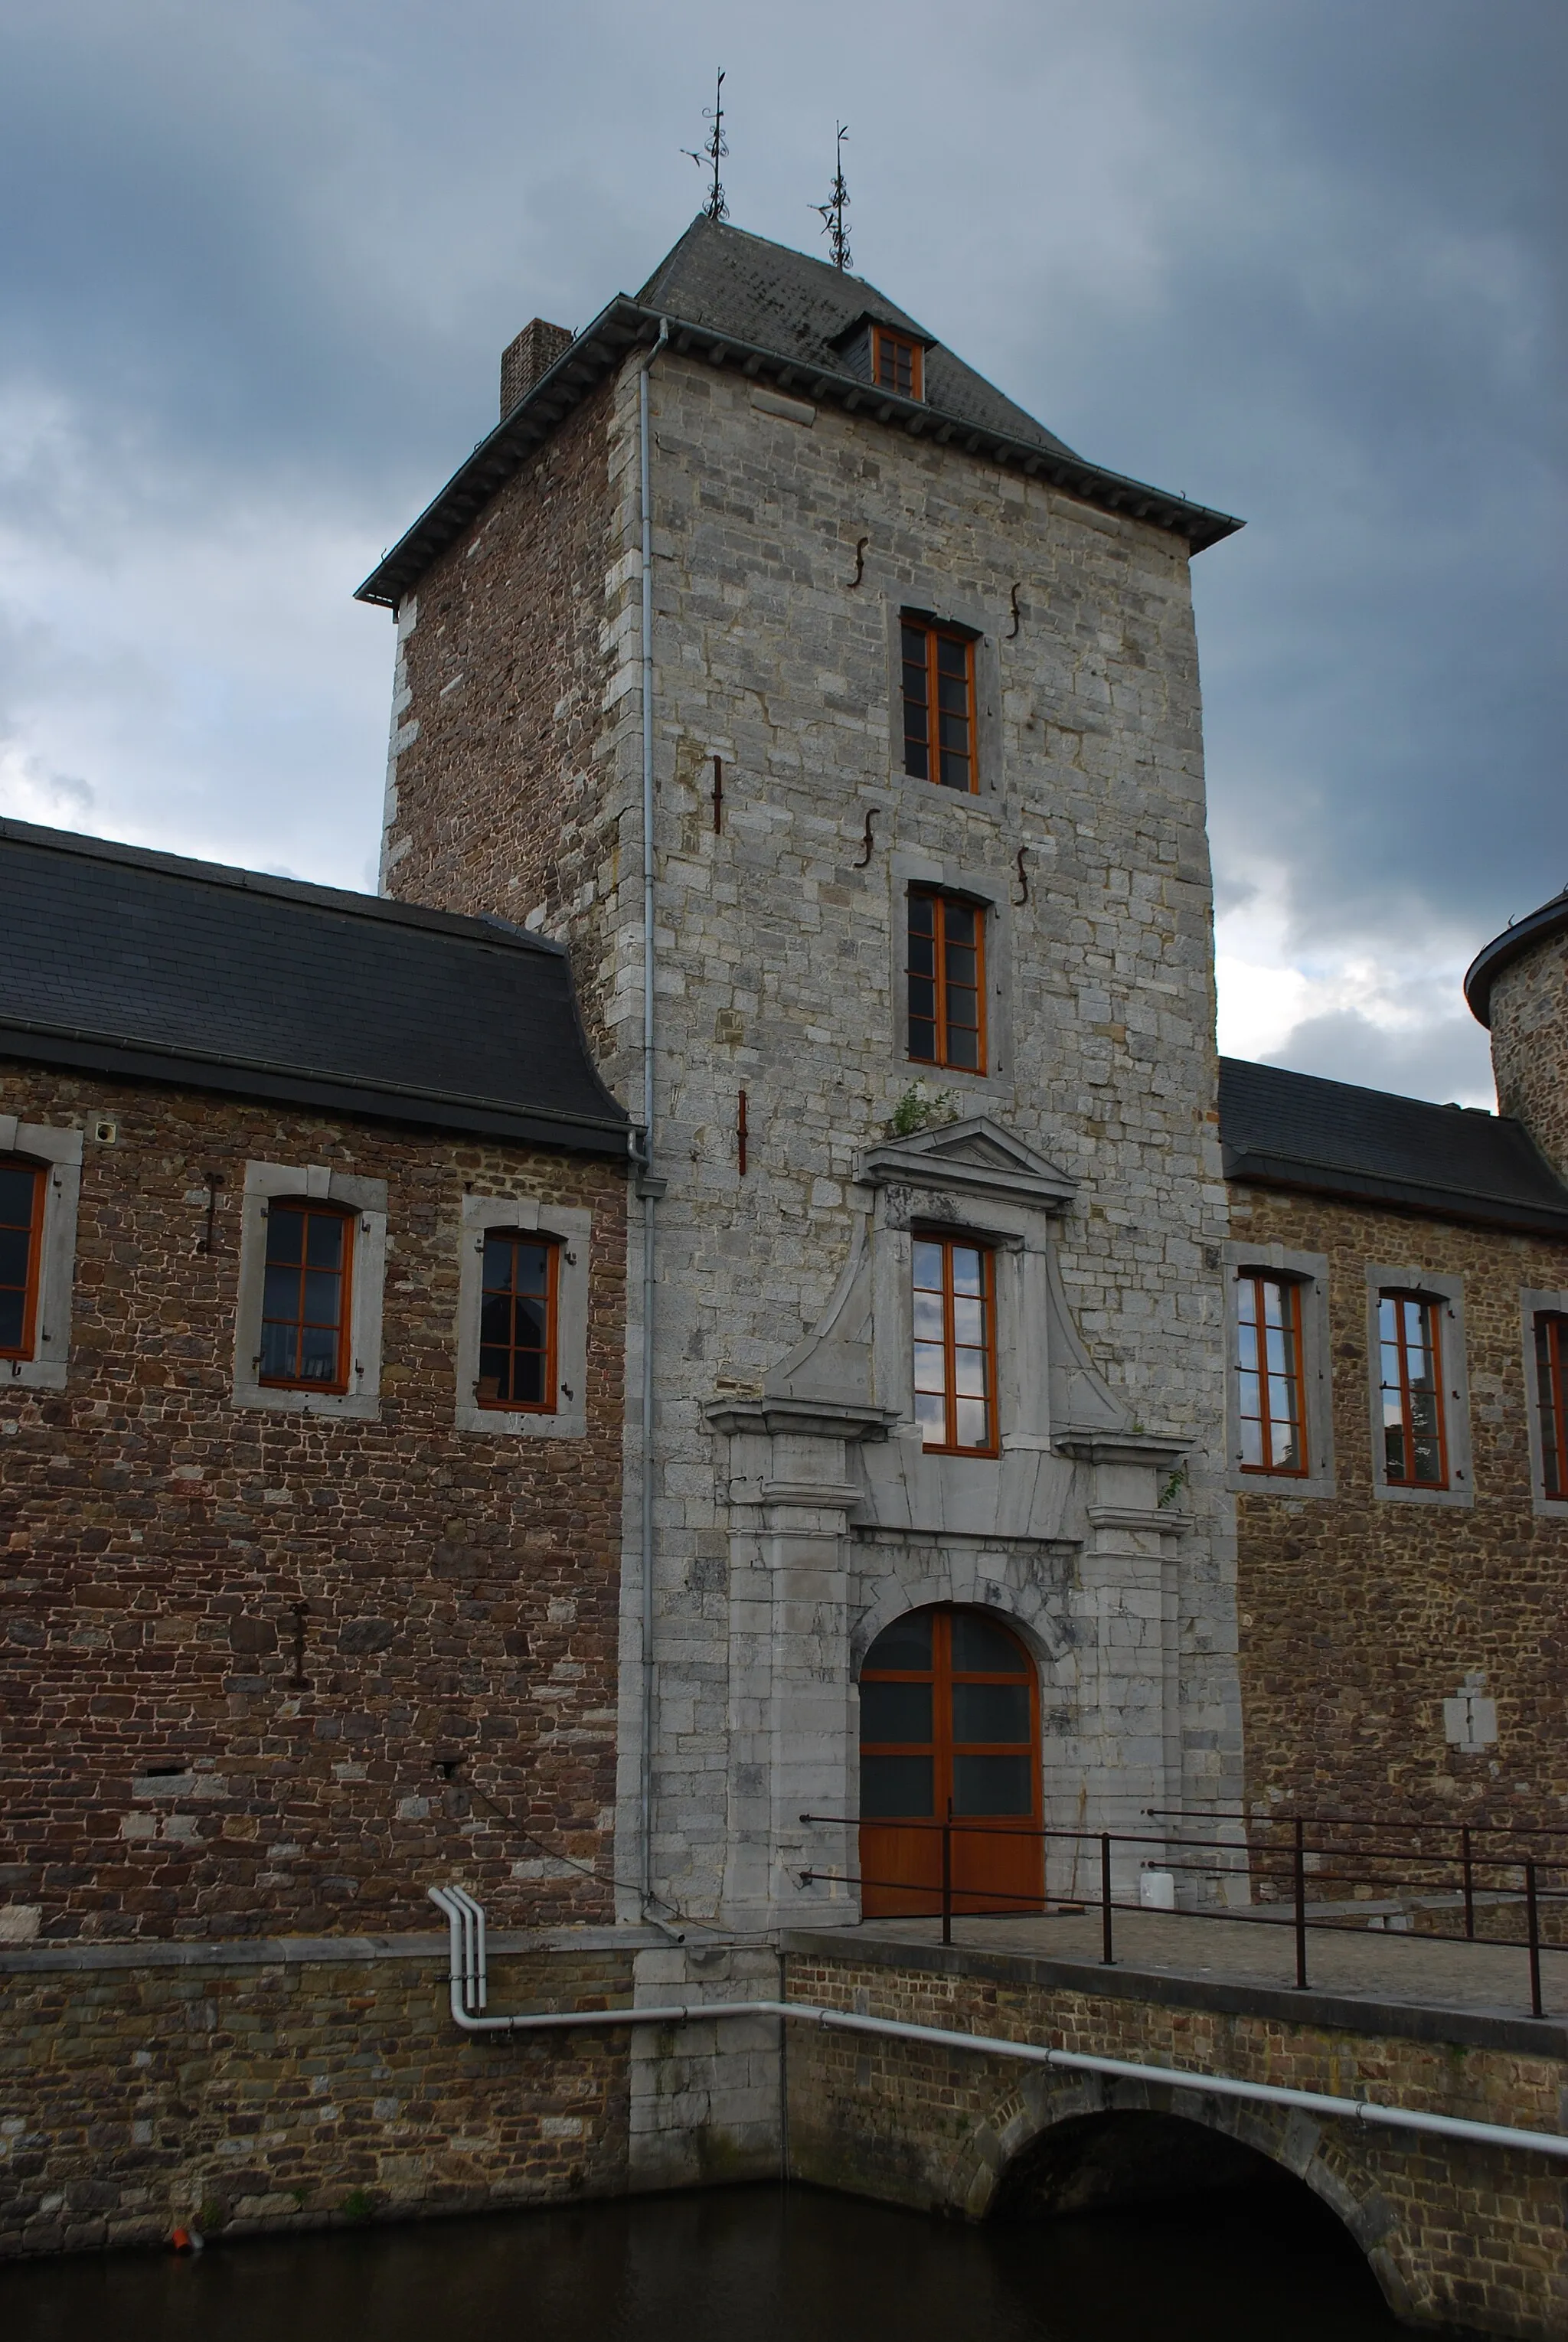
(1359, 1616)
(267, 1673)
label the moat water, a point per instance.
(734, 2264)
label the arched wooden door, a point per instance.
(949, 1710)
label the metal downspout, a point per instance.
(648, 1185)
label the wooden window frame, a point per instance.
(911, 622)
(24, 1351)
(552, 1246)
(1430, 1308)
(895, 343)
(1549, 1328)
(316, 1207)
(949, 1242)
(1256, 1278)
(943, 898)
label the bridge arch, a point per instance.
(1056, 2148)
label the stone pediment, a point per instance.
(974, 1157)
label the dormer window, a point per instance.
(896, 363)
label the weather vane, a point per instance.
(832, 211)
(714, 151)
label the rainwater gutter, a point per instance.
(466, 1922)
(649, 1186)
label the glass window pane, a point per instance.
(959, 962)
(318, 1354)
(1248, 1346)
(922, 995)
(928, 1266)
(927, 1316)
(904, 1648)
(277, 1353)
(1252, 1443)
(917, 762)
(498, 1254)
(952, 657)
(531, 1324)
(923, 915)
(962, 1048)
(969, 1374)
(914, 648)
(895, 1711)
(958, 926)
(324, 1240)
(968, 1269)
(1393, 1452)
(980, 1647)
(968, 1319)
(931, 1415)
(15, 1251)
(280, 1293)
(495, 1318)
(922, 1040)
(929, 1367)
(996, 1787)
(12, 1311)
(905, 1787)
(17, 1189)
(494, 1375)
(922, 954)
(323, 1291)
(954, 771)
(528, 1378)
(532, 1271)
(990, 1711)
(1284, 1457)
(284, 1234)
(974, 1426)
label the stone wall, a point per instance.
(779, 937)
(175, 1763)
(1529, 1020)
(1359, 1616)
(288, 2085)
(1454, 2233)
(293, 2083)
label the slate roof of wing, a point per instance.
(146, 965)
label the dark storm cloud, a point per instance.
(1302, 260)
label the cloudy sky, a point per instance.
(1299, 259)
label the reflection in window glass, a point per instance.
(955, 1346)
(1410, 1390)
(21, 1229)
(1269, 1374)
(517, 1323)
(1552, 1398)
(305, 1297)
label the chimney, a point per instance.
(533, 353)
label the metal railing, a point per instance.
(1523, 1882)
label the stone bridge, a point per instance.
(1458, 2234)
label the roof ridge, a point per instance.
(347, 900)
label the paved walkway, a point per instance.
(1404, 1970)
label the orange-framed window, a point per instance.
(955, 1344)
(517, 1312)
(939, 705)
(1410, 1379)
(1270, 1380)
(949, 1721)
(897, 363)
(306, 1295)
(946, 974)
(1552, 1398)
(22, 1194)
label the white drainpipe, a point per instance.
(647, 1181)
(467, 1921)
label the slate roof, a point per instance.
(1550, 920)
(129, 963)
(1294, 1130)
(735, 299)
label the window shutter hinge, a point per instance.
(571, 1260)
(567, 1392)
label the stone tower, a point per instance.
(898, 673)
(1518, 989)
